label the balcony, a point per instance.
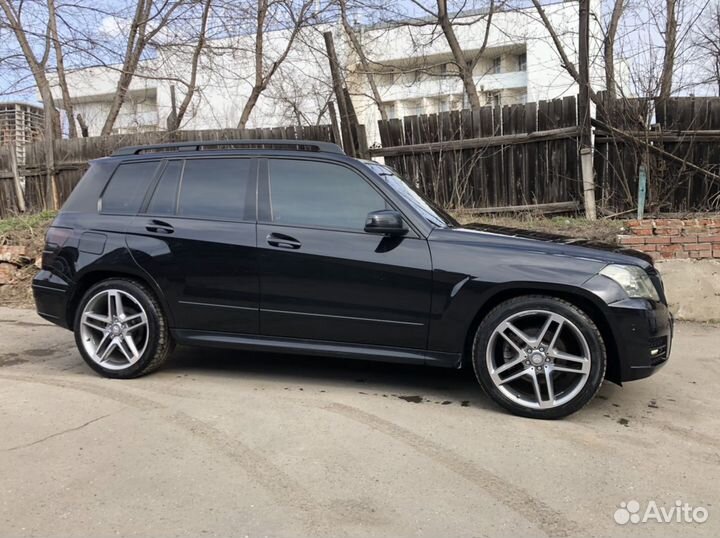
(406, 86)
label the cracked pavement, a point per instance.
(227, 443)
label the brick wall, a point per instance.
(674, 238)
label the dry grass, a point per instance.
(600, 230)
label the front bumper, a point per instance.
(643, 333)
(51, 296)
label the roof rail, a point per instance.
(200, 145)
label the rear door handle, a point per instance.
(283, 241)
(159, 227)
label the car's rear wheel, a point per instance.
(539, 356)
(120, 329)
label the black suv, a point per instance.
(291, 246)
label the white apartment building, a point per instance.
(412, 66)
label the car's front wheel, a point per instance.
(120, 329)
(539, 356)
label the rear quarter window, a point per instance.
(128, 185)
(85, 195)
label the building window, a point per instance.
(522, 62)
(493, 98)
(385, 79)
(495, 66)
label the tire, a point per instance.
(126, 340)
(531, 371)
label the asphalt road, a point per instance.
(221, 443)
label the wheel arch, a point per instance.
(579, 298)
(91, 277)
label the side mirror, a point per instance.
(385, 221)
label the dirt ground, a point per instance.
(605, 230)
(29, 233)
(223, 443)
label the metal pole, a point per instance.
(586, 149)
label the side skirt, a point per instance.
(316, 347)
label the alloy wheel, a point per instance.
(538, 359)
(114, 329)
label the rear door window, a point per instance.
(164, 199)
(128, 185)
(215, 188)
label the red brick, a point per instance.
(681, 254)
(667, 231)
(700, 254)
(642, 231)
(698, 246)
(631, 240)
(646, 248)
(716, 253)
(670, 249)
(709, 238)
(694, 229)
(684, 239)
(660, 223)
(657, 240)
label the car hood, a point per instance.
(552, 243)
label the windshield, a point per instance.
(428, 209)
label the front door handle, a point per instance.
(159, 227)
(283, 241)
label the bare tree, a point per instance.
(670, 38)
(38, 64)
(707, 41)
(362, 57)
(148, 20)
(465, 62)
(276, 11)
(567, 64)
(60, 67)
(200, 45)
(609, 47)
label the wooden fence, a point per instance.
(528, 154)
(72, 156)
(685, 135)
(514, 155)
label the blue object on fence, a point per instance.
(642, 189)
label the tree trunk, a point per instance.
(138, 37)
(133, 50)
(465, 69)
(60, 65)
(357, 46)
(249, 106)
(37, 68)
(609, 49)
(194, 66)
(262, 79)
(257, 87)
(666, 77)
(83, 126)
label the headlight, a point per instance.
(633, 280)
